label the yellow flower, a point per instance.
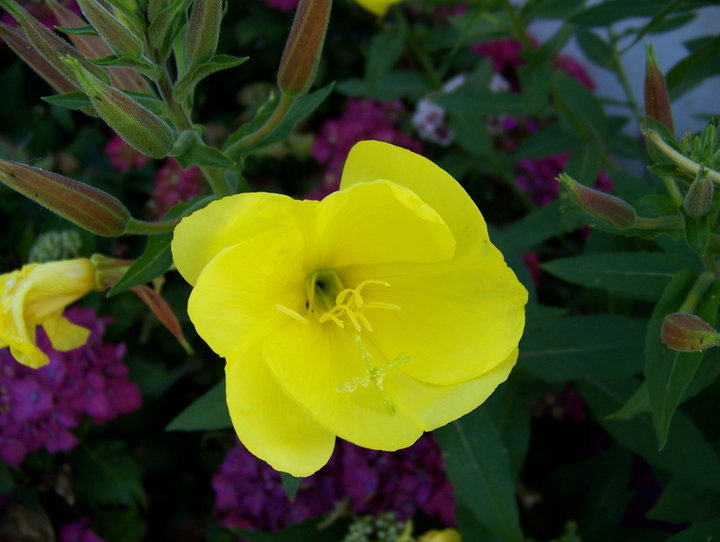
(446, 535)
(378, 7)
(36, 295)
(375, 314)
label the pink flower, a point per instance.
(249, 494)
(362, 119)
(79, 531)
(173, 185)
(122, 156)
(282, 5)
(40, 407)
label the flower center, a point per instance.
(328, 300)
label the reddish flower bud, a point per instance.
(610, 209)
(688, 333)
(49, 45)
(137, 125)
(203, 30)
(18, 42)
(94, 47)
(304, 46)
(657, 101)
(699, 198)
(81, 204)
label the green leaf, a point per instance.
(635, 275)
(579, 108)
(549, 140)
(638, 403)
(207, 413)
(693, 69)
(291, 484)
(190, 151)
(669, 373)
(385, 50)
(471, 133)
(119, 525)
(697, 230)
(145, 67)
(687, 454)
(310, 530)
(576, 347)
(683, 502)
(700, 532)
(392, 86)
(75, 100)
(508, 407)
(187, 83)
(6, 480)
(595, 48)
(535, 82)
(105, 473)
(86, 30)
(477, 464)
(298, 111)
(156, 259)
(464, 101)
(609, 12)
(534, 228)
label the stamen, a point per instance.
(373, 375)
(299, 317)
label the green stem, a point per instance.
(680, 160)
(271, 123)
(143, 227)
(696, 293)
(623, 79)
(518, 26)
(659, 223)
(418, 51)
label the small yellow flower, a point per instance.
(376, 314)
(36, 295)
(446, 535)
(378, 7)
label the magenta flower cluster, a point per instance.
(79, 531)
(250, 495)
(40, 407)
(362, 119)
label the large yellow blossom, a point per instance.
(36, 295)
(375, 314)
(378, 7)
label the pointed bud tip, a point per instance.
(610, 209)
(686, 332)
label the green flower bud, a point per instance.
(610, 209)
(82, 204)
(657, 100)
(114, 32)
(699, 198)
(137, 125)
(203, 30)
(51, 46)
(55, 245)
(688, 333)
(19, 43)
(301, 56)
(95, 47)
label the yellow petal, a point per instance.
(456, 320)
(202, 235)
(312, 363)
(372, 160)
(270, 424)
(380, 222)
(434, 406)
(378, 7)
(233, 304)
(63, 334)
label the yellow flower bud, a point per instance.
(446, 535)
(36, 295)
(688, 333)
